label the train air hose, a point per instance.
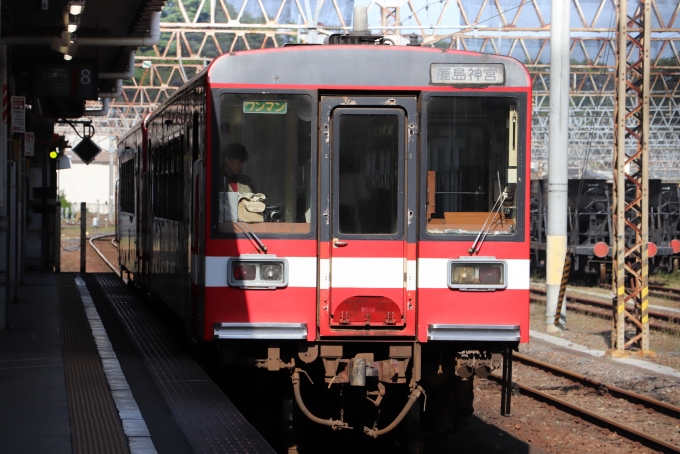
(415, 394)
(334, 424)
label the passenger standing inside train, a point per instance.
(234, 179)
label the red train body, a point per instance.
(392, 245)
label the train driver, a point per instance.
(234, 180)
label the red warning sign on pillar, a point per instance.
(18, 114)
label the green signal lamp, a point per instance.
(54, 154)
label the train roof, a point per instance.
(350, 65)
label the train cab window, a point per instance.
(262, 171)
(472, 158)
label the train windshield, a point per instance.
(472, 157)
(263, 167)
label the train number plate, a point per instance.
(467, 74)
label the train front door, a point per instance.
(368, 165)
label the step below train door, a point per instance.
(368, 165)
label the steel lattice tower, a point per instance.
(194, 33)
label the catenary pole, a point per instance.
(557, 159)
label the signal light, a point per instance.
(54, 154)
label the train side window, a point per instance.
(264, 148)
(472, 156)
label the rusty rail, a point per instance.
(101, 255)
(664, 321)
(639, 399)
(664, 292)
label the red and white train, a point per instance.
(384, 241)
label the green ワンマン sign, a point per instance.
(265, 107)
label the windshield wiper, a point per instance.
(260, 244)
(481, 236)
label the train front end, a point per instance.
(366, 224)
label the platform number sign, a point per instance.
(18, 114)
(64, 80)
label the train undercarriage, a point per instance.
(403, 391)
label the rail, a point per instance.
(101, 255)
(662, 291)
(662, 321)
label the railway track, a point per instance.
(670, 418)
(658, 291)
(659, 320)
(661, 291)
(101, 254)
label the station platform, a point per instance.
(88, 368)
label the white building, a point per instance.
(94, 183)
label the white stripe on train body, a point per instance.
(301, 271)
(350, 272)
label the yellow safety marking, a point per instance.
(645, 291)
(622, 290)
(619, 308)
(557, 250)
(645, 319)
(644, 305)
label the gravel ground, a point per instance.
(595, 332)
(547, 428)
(70, 257)
(636, 416)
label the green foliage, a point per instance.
(62, 200)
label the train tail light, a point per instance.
(477, 274)
(244, 272)
(257, 271)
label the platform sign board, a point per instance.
(65, 81)
(18, 114)
(29, 143)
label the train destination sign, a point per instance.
(265, 107)
(65, 80)
(467, 74)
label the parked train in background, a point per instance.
(384, 247)
(590, 232)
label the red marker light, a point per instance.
(675, 244)
(651, 250)
(601, 249)
(490, 274)
(244, 272)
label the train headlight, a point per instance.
(477, 274)
(257, 272)
(271, 272)
(461, 274)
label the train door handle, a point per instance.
(337, 243)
